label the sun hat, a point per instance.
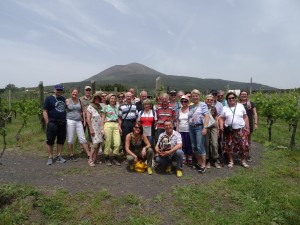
(87, 87)
(97, 94)
(184, 97)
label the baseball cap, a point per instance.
(213, 92)
(87, 87)
(59, 87)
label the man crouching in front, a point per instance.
(169, 149)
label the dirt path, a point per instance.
(27, 168)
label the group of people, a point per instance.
(178, 128)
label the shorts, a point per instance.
(57, 131)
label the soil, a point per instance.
(28, 168)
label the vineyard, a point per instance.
(271, 107)
(279, 106)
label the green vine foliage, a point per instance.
(278, 106)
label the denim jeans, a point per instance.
(198, 140)
(167, 160)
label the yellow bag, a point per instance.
(140, 166)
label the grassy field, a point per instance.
(268, 194)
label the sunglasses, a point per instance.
(172, 95)
(137, 127)
(209, 100)
(184, 101)
(87, 89)
(231, 98)
(214, 94)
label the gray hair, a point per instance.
(164, 95)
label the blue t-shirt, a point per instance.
(56, 108)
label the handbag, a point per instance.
(140, 166)
(211, 121)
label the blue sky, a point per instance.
(71, 40)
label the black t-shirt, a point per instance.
(56, 108)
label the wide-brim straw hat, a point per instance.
(98, 94)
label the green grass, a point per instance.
(269, 194)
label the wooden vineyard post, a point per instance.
(93, 84)
(41, 90)
(294, 125)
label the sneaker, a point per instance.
(108, 163)
(249, 158)
(116, 162)
(149, 170)
(196, 166)
(202, 170)
(50, 161)
(60, 159)
(217, 165)
(189, 163)
(179, 173)
(168, 169)
(72, 158)
(208, 165)
(131, 167)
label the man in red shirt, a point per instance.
(164, 111)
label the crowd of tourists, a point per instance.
(175, 131)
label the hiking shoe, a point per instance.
(202, 170)
(168, 169)
(149, 169)
(60, 159)
(50, 161)
(131, 167)
(72, 158)
(179, 173)
(108, 163)
(208, 165)
(217, 165)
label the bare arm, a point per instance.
(45, 115)
(255, 118)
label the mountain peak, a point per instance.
(129, 69)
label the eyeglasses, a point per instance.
(231, 98)
(184, 101)
(87, 89)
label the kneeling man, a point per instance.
(169, 147)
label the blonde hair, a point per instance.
(195, 91)
(146, 101)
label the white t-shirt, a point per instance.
(238, 120)
(183, 121)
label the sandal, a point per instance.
(230, 164)
(91, 163)
(244, 164)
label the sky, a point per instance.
(71, 40)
